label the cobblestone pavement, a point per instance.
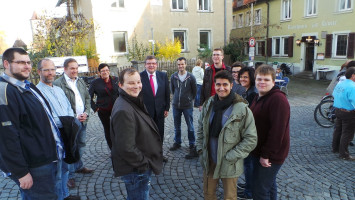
(311, 170)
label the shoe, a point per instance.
(84, 170)
(243, 196)
(351, 144)
(71, 183)
(175, 147)
(165, 159)
(335, 151)
(71, 197)
(241, 186)
(350, 158)
(193, 153)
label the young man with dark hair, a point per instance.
(226, 135)
(183, 87)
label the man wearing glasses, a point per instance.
(208, 89)
(29, 138)
(156, 94)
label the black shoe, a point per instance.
(241, 186)
(243, 196)
(175, 147)
(193, 153)
(71, 197)
(349, 158)
(165, 159)
(351, 144)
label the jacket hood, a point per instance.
(196, 69)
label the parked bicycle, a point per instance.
(324, 114)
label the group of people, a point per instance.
(243, 123)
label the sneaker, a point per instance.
(241, 186)
(349, 158)
(243, 196)
(192, 154)
(175, 147)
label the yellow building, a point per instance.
(310, 34)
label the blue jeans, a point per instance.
(61, 180)
(248, 172)
(43, 183)
(137, 185)
(81, 144)
(198, 93)
(188, 115)
(264, 180)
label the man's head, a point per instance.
(351, 63)
(236, 67)
(217, 57)
(130, 81)
(264, 79)
(71, 68)
(104, 71)
(46, 70)
(17, 63)
(350, 73)
(181, 63)
(223, 83)
(151, 64)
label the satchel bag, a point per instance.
(69, 133)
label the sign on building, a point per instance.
(59, 63)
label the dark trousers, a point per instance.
(343, 132)
(105, 120)
(159, 121)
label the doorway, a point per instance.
(309, 56)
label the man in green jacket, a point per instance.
(226, 135)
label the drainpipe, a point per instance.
(267, 26)
(225, 22)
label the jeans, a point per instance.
(248, 172)
(137, 185)
(81, 144)
(198, 93)
(44, 181)
(61, 180)
(343, 132)
(188, 115)
(264, 180)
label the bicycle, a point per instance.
(324, 114)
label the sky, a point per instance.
(15, 17)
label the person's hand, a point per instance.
(82, 117)
(166, 113)
(265, 162)
(97, 109)
(26, 182)
(200, 108)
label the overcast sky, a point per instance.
(15, 17)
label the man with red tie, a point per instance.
(156, 94)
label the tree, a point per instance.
(235, 50)
(170, 50)
(3, 45)
(137, 50)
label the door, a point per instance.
(309, 56)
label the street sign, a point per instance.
(251, 51)
(252, 42)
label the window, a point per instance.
(204, 5)
(181, 36)
(234, 21)
(205, 39)
(117, 4)
(259, 48)
(341, 44)
(240, 20)
(247, 19)
(119, 41)
(286, 9)
(311, 8)
(178, 4)
(257, 16)
(345, 5)
(280, 45)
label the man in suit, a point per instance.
(156, 94)
(78, 95)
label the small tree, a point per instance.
(170, 50)
(137, 50)
(204, 52)
(235, 50)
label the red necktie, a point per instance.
(152, 83)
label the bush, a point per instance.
(235, 50)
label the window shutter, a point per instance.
(351, 45)
(328, 45)
(269, 47)
(290, 46)
(263, 48)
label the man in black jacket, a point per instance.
(183, 86)
(29, 138)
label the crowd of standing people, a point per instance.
(243, 124)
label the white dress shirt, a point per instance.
(79, 104)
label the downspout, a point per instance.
(267, 26)
(225, 22)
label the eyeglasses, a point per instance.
(105, 71)
(152, 63)
(47, 70)
(244, 77)
(234, 72)
(21, 62)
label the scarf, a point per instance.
(136, 101)
(219, 106)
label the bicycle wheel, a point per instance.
(324, 114)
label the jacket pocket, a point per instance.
(228, 168)
(232, 132)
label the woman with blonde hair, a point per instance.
(198, 72)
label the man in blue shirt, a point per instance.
(60, 106)
(344, 101)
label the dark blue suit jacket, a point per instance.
(161, 102)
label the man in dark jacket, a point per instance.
(272, 119)
(136, 143)
(29, 138)
(183, 86)
(208, 89)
